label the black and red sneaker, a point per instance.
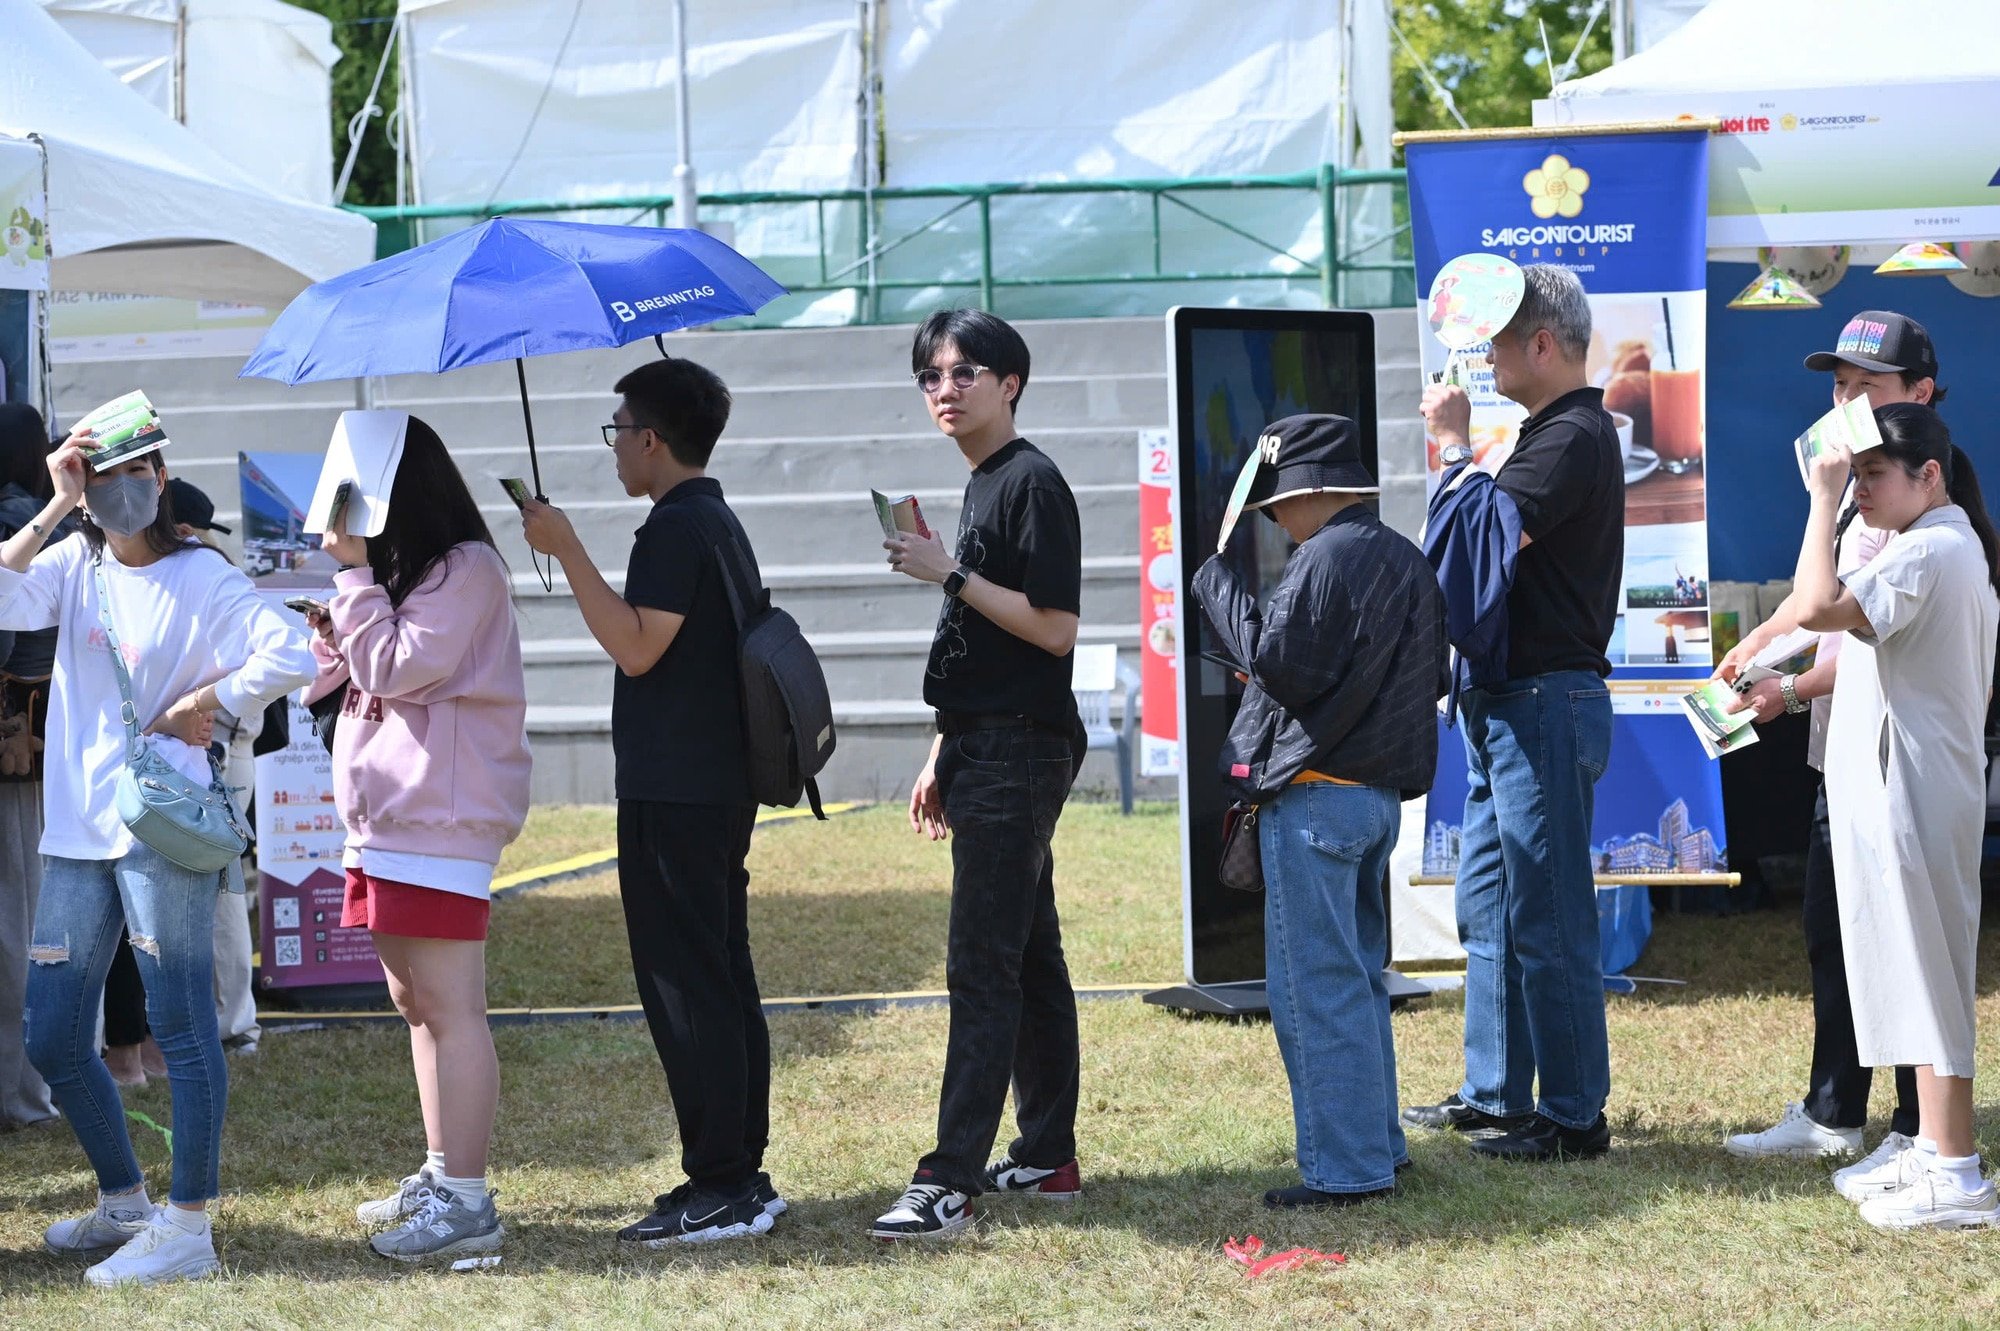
(1061, 1184)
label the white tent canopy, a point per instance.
(139, 204)
(1843, 122)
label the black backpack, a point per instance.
(787, 715)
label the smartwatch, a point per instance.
(954, 582)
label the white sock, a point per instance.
(135, 1200)
(434, 1161)
(1926, 1148)
(471, 1191)
(186, 1221)
(1962, 1170)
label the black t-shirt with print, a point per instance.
(1018, 529)
(677, 730)
(1567, 477)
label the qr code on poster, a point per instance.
(289, 953)
(284, 912)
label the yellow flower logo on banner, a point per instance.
(1556, 188)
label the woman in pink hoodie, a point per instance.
(430, 769)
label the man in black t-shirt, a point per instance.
(1007, 749)
(1535, 744)
(684, 806)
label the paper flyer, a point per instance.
(125, 428)
(901, 516)
(1238, 496)
(366, 448)
(1708, 710)
(1851, 426)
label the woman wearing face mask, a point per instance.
(1906, 783)
(196, 637)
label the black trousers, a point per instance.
(686, 895)
(1837, 1096)
(1013, 1012)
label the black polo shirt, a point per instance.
(1567, 476)
(677, 730)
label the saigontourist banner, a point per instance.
(1624, 208)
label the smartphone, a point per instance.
(1222, 661)
(305, 605)
(517, 490)
(341, 494)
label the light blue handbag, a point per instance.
(195, 827)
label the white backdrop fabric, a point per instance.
(138, 203)
(249, 77)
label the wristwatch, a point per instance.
(1453, 454)
(954, 582)
(1788, 689)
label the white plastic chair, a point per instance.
(1096, 674)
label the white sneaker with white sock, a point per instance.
(111, 1225)
(174, 1245)
(1795, 1134)
(1889, 1167)
(1946, 1194)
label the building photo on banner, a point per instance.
(24, 263)
(1624, 210)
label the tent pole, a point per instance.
(528, 420)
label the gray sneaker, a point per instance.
(444, 1226)
(111, 1225)
(399, 1205)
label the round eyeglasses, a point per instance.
(963, 376)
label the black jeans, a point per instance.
(1837, 1096)
(1013, 1013)
(686, 895)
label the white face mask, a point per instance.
(124, 505)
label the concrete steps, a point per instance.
(820, 416)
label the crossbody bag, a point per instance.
(195, 827)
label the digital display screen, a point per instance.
(1235, 372)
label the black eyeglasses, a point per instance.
(963, 376)
(611, 433)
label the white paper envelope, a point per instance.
(366, 448)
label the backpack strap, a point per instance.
(812, 798)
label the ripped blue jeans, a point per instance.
(171, 914)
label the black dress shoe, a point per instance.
(1286, 1199)
(1455, 1114)
(1546, 1139)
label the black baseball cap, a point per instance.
(1307, 454)
(193, 507)
(1883, 342)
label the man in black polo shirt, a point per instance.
(1535, 744)
(684, 806)
(1007, 748)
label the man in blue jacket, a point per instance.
(1535, 743)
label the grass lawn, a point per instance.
(1184, 1122)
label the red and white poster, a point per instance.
(1159, 615)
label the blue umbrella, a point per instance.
(505, 290)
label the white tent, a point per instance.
(1844, 121)
(249, 77)
(139, 204)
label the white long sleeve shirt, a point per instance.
(187, 620)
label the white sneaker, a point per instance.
(1934, 1201)
(1795, 1134)
(924, 1211)
(111, 1225)
(1889, 1168)
(400, 1205)
(160, 1252)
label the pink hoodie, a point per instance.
(431, 752)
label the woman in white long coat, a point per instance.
(1906, 783)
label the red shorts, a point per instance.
(387, 907)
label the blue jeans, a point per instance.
(1527, 908)
(1326, 937)
(171, 913)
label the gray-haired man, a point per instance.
(1535, 745)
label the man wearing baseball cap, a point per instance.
(1338, 725)
(1885, 357)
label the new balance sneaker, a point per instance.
(1888, 1168)
(159, 1252)
(1934, 1201)
(924, 1211)
(114, 1223)
(709, 1217)
(1062, 1183)
(399, 1205)
(443, 1225)
(1795, 1134)
(767, 1196)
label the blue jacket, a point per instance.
(1472, 537)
